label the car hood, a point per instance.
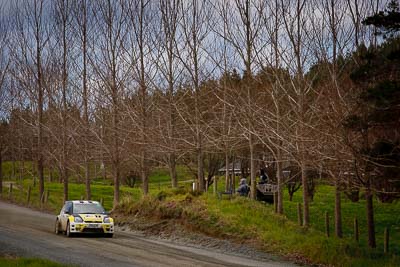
(92, 217)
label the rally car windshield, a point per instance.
(91, 208)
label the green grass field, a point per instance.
(159, 177)
(159, 180)
(386, 215)
(257, 220)
(280, 234)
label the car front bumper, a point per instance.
(83, 227)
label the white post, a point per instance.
(194, 186)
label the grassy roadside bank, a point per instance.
(28, 262)
(244, 221)
(239, 219)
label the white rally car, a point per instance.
(84, 216)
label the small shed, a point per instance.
(236, 168)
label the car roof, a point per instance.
(83, 202)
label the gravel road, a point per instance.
(28, 233)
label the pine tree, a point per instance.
(375, 118)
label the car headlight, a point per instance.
(78, 219)
(106, 220)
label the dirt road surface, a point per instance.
(28, 233)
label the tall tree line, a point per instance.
(132, 84)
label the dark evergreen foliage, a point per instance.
(376, 115)
(387, 21)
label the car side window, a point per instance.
(63, 209)
(68, 208)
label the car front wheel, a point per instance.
(57, 227)
(68, 230)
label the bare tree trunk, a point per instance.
(375, 11)
(143, 174)
(299, 64)
(172, 155)
(40, 121)
(338, 211)
(62, 18)
(104, 172)
(172, 170)
(22, 161)
(116, 162)
(51, 169)
(65, 183)
(1, 171)
(232, 183)
(370, 218)
(200, 164)
(64, 122)
(227, 182)
(33, 10)
(21, 170)
(169, 15)
(304, 180)
(60, 179)
(85, 103)
(229, 185)
(143, 93)
(355, 16)
(40, 156)
(199, 137)
(253, 189)
(88, 190)
(13, 167)
(279, 179)
(116, 175)
(83, 28)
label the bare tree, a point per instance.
(168, 67)
(228, 86)
(358, 11)
(3, 148)
(334, 19)
(295, 18)
(29, 56)
(107, 63)
(332, 39)
(4, 65)
(4, 57)
(243, 24)
(355, 8)
(82, 16)
(62, 13)
(195, 31)
(276, 91)
(140, 16)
